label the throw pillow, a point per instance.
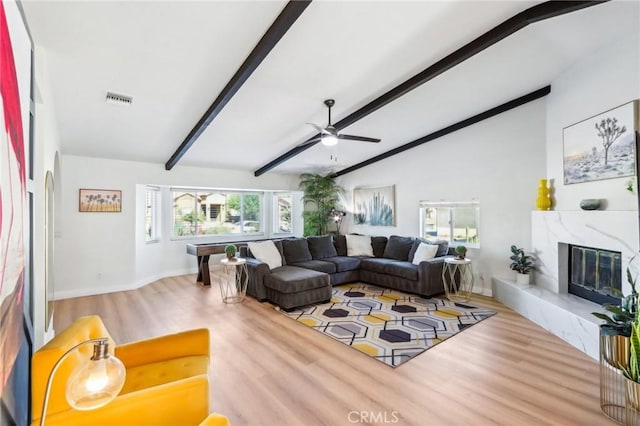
(424, 252)
(266, 251)
(340, 241)
(321, 247)
(398, 248)
(296, 250)
(378, 244)
(443, 247)
(359, 245)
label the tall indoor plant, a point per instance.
(323, 193)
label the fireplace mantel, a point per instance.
(547, 301)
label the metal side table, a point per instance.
(234, 280)
(457, 277)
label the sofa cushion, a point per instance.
(398, 248)
(393, 267)
(318, 265)
(359, 245)
(267, 252)
(296, 250)
(424, 252)
(291, 279)
(378, 244)
(321, 247)
(340, 242)
(443, 247)
(344, 263)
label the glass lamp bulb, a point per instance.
(96, 382)
(329, 140)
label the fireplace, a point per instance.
(593, 273)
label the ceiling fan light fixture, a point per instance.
(329, 140)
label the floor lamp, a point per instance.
(93, 383)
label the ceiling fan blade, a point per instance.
(310, 141)
(320, 129)
(357, 138)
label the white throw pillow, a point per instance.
(424, 252)
(359, 245)
(266, 252)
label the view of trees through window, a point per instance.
(152, 199)
(283, 204)
(215, 212)
(455, 222)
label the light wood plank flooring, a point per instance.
(270, 370)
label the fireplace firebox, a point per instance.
(593, 273)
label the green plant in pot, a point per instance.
(230, 250)
(616, 331)
(632, 373)
(461, 251)
(322, 193)
(522, 264)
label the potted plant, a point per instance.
(522, 264)
(323, 193)
(230, 250)
(631, 372)
(461, 251)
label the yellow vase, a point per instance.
(543, 202)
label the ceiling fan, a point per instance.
(329, 135)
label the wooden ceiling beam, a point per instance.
(290, 13)
(534, 14)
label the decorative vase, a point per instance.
(632, 402)
(614, 353)
(522, 279)
(543, 202)
(231, 256)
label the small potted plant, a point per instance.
(461, 251)
(522, 264)
(230, 250)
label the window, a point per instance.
(457, 223)
(151, 222)
(282, 213)
(216, 213)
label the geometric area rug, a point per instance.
(388, 325)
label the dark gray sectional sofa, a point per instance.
(312, 265)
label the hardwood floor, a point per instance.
(270, 370)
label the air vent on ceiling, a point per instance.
(114, 98)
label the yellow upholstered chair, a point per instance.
(167, 380)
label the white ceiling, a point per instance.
(174, 58)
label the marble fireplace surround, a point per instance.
(547, 302)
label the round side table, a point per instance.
(234, 280)
(457, 277)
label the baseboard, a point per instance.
(93, 291)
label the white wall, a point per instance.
(604, 79)
(47, 146)
(497, 161)
(99, 252)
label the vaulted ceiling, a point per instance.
(174, 58)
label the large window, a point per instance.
(199, 212)
(151, 215)
(457, 223)
(282, 208)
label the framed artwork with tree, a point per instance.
(602, 146)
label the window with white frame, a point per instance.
(282, 204)
(151, 214)
(216, 212)
(456, 222)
